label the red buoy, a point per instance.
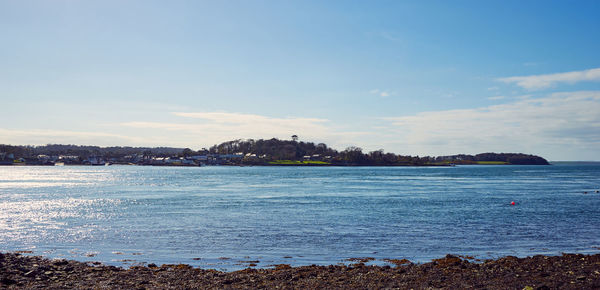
(512, 203)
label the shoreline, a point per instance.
(273, 165)
(569, 271)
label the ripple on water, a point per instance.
(316, 215)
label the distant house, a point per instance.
(94, 160)
(67, 159)
(187, 161)
(198, 157)
(43, 158)
(157, 160)
(172, 160)
(231, 156)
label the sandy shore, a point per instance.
(569, 271)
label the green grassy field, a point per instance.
(296, 162)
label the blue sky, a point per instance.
(410, 77)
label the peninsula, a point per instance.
(270, 152)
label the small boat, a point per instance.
(59, 164)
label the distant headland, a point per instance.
(271, 152)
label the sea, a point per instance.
(229, 218)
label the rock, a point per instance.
(7, 281)
(60, 262)
(450, 272)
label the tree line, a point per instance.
(263, 151)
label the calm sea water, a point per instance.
(224, 217)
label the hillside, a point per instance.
(248, 152)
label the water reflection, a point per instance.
(126, 215)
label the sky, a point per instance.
(410, 77)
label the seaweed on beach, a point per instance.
(569, 271)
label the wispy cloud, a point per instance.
(522, 97)
(238, 118)
(496, 98)
(40, 137)
(206, 128)
(381, 93)
(222, 126)
(560, 120)
(500, 97)
(535, 82)
(194, 130)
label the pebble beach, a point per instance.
(569, 271)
